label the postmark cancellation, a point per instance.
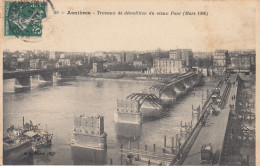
(24, 18)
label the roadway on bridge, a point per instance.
(214, 130)
(27, 73)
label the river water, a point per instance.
(54, 108)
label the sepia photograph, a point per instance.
(163, 83)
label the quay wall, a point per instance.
(131, 75)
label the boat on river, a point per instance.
(25, 139)
(16, 146)
(40, 138)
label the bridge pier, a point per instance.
(145, 105)
(154, 148)
(47, 77)
(188, 84)
(67, 73)
(178, 92)
(65, 76)
(165, 141)
(155, 92)
(172, 145)
(180, 88)
(167, 98)
(128, 111)
(22, 83)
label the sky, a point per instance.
(227, 26)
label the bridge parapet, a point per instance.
(27, 73)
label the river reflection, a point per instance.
(128, 132)
(85, 156)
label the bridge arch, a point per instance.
(145, 97)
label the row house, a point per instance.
(63, 62)
(168, 66)
(98, 67)
(38, 64)
(220, 61)
(185, 55)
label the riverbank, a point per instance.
(131, 75)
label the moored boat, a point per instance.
(40, 138)
(16, 146)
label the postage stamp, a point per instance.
(24, 19)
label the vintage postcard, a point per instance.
(94, 82)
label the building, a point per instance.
(252, 55)
(62, 56)
(99, 54)
(220, 61)
(120, 57)
(38, 64)
(52, 55)
(108, 64)
(78, 63)
(210, 71)
(146, 58)
(185, 55)
(138, 63)
(130, 57)
(97, 67)
(202, 55)
(63, 62)
(167, 66)
(204, 71)
(20, 59)
(151, 71)
(240, 62)
(155, 62)
(202, 59)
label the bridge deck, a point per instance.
(162, 86)
(214, 130)
(26, 73)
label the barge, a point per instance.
(22, 142)
(16, 147)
